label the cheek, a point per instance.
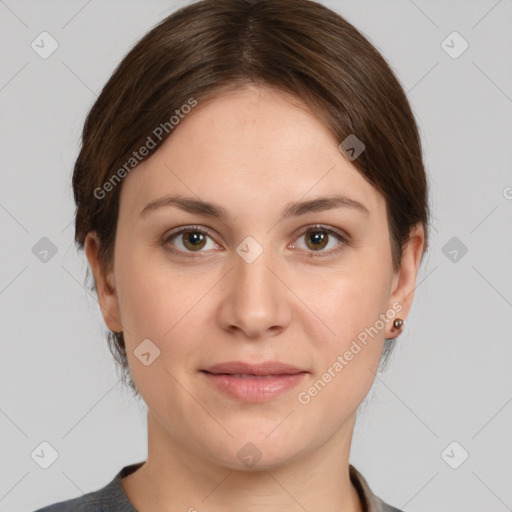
(162, 303)
(346, 360)
(350, 299)
(354, 305)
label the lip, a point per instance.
(254, 382)
(267, 368)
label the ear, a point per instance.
(105, 284)
(404, 281)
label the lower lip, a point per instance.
(254, 388)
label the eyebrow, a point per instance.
(193, 205)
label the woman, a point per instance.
(252, 201)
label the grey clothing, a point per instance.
(112, 497)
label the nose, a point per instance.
(255, 300)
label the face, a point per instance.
(298, 299)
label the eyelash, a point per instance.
(311, 229)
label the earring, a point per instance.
(398, 323)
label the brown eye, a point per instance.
(193, 240)
(318, 238)
(190, 240)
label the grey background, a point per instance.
(450, 378)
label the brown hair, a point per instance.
(297, 46)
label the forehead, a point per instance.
(253, 145)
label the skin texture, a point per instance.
(253, 152)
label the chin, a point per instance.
(256, 451)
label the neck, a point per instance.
(179, 476)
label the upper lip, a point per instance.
(267, 368)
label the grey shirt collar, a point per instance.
(112, 497)
(119, 501)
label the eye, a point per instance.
(190, 239)
(318, 237)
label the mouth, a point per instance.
(254, 383)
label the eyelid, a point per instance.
(342, 237)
